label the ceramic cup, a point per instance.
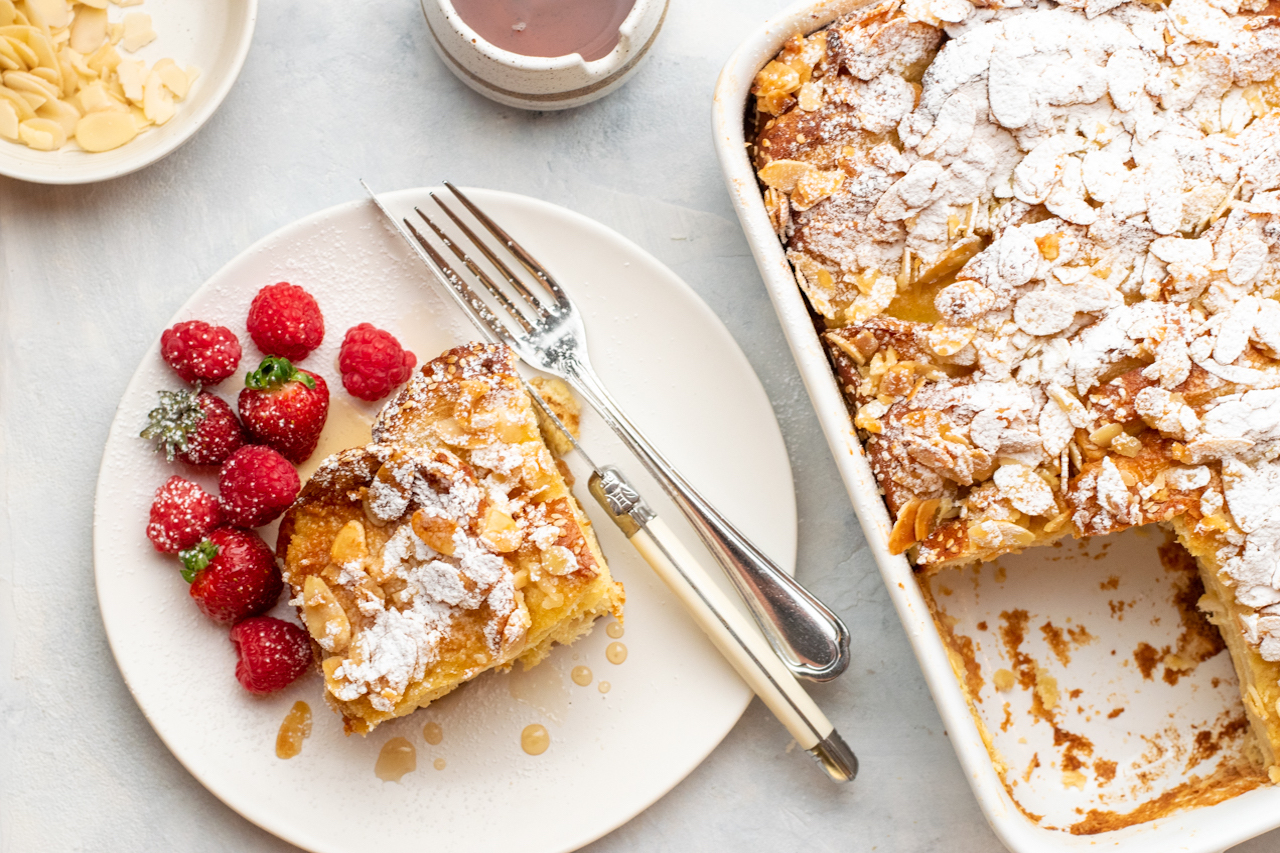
(538, 82)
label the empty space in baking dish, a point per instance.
(1107, 696)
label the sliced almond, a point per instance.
(132, 74)
(51, 13)
(102, 131)
(137, 31)
(40, 46)
(925, 516)
(9, 58)
(19, 103)
(95, 98)
(25, 81)
(499, 531)
(173, 77)
(1126, 445)
(8, 14)
(57, 136)
(350, 545)
(157, 101)
(48, 75)
(1103, 435)
(903, 535)
(333, 682)
(35, 100)
(559, 560)
(783, 175)
(37, 137)
(89, 30)
(103, 60)
(23, 52)
(326, 620)
(436, 530)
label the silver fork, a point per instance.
(549, 335)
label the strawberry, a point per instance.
(284, 407)
(272, 653)
(256, 485)
(373, 362)
(233, 574)
(197, 427)
(200, 352)
(285, 320)
(181, 515)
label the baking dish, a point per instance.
(1154, 732)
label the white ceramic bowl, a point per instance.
(1064, 592)
(537, 82)
(213, 35)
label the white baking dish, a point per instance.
(1074, 596)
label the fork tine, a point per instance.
(520, 287)
(468, 298)
(526, 260)
(502, 268)
(479, 273)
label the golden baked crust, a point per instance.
(449, 546)
(1043, 247)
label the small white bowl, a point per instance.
(214, 36)
(539, 82)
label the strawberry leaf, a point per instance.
(195, 559)
(275, 372)
(171, 423)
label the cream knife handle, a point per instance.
(744, 647)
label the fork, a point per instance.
(549, 334)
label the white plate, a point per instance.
(673, 366)
(212, 35)
(985, 594)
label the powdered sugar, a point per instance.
(1119, 167)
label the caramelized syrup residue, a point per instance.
(432, 733)
(616, 653)
(294, 730)
(535, 739)
(397, 758)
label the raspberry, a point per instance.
(284, 320)
(199, 429)
(373, 362)
(233, 574)
(272, 653)
(200, 352)
(257, 484)
(181, 515)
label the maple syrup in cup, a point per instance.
(588, 28)
(543, 54)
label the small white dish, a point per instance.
(676, 369)
(1036, 581)
(213, 35)
(538, 82)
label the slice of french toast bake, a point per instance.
(449, 546)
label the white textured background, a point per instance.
(332, 91)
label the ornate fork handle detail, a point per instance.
(802, 630)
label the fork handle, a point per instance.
(729, 631)
(805, 634)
